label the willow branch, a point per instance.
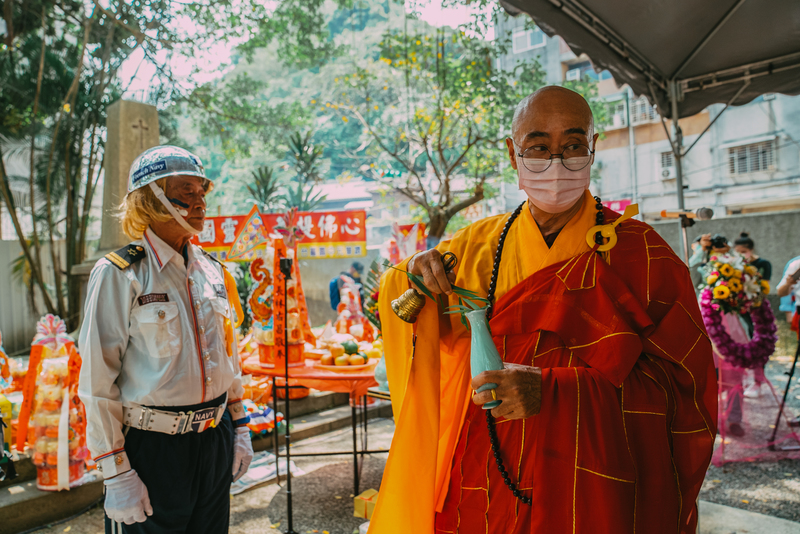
(34, 233)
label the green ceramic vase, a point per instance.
(483, 353)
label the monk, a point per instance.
(608, 397)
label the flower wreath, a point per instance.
(731, 285)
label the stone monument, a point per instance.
(132, 128)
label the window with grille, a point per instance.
(755, 157)
(642, 111)
(667, 160)
(619, 117)
(525, 40)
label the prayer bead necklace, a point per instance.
(598, 238)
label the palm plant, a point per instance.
(306, 160)
(265, 189)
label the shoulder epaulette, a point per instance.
(126, 256)
(212, 258)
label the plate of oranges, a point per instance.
(345, 362)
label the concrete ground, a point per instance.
(322, 498)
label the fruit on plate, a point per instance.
(315, 354)
(344, 359)
(374, 353)
(350, 347)
(336, 350)
(356, 359)
(327, 359)
(364, 356)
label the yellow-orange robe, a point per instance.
(669, 387)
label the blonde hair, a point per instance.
(140, 208)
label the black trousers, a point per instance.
(188, 478)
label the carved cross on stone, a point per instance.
(141, 127)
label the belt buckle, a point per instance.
(144, 418)
(203, 417)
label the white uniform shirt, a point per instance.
(153, 335)
(792, 268)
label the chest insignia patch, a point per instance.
(153, 297)
(219, 289)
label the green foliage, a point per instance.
(433, 106)
(307, 157)
(265, 189)
(237, 112)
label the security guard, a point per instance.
(161, 379)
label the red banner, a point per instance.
(329, 234)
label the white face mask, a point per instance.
(556, 189)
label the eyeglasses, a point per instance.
(538, 157)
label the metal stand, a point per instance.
(686, 222)
(286, 270)
(783, 404)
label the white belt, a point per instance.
(172, 423)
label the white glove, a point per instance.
(242, 452)
(127, 500)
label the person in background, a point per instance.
(745, 246)
(337, 282)
(704, 246)
(788, 303)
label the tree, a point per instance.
(306, 158)
(434, 108)
(265, 189)
(59, 65)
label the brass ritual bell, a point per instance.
(408, 305)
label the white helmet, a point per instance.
(162, 162)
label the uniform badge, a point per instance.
(219, 289)
(153, 297)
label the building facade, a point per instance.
(748, 161)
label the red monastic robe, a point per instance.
(628, 416)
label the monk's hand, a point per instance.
(519, 387)
(430, 267)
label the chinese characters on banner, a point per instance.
(329, 234)
(617, 205)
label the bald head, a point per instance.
(549, 104)
(552, 117)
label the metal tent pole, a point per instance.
(632, 146)
(677, 151)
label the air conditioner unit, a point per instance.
(573, 75)
(669, 173)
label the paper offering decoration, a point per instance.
(5, 368)
(52, 418)
(251, 237)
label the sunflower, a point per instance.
(735, 284)
(749, 269)
(726, 270)
(722, 292)
(711, 280)
(765, 286)
(737, 273)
